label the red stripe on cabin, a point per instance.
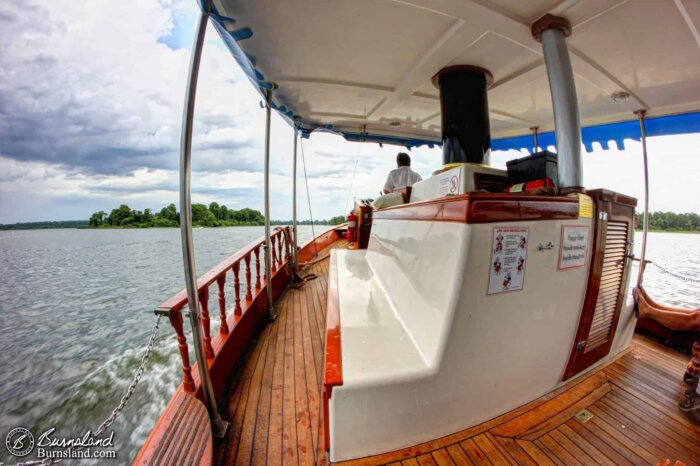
(333, 361)
(485, 208)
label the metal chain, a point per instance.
(674, 275)
(120, 407)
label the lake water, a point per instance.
(76, 309)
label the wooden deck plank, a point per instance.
(651, 414)
(556, 452)
(648, 396)
(474, 453)
(609, 451)
(584, 445)
(443, 458)
(237, 405)
(515, 451)
(274, 439)
(458, 455)
(250, 416)
(547, 452)
(313, 386)
(426, 460)
(656, 448)
(540, 457)
(571, 448)
(654, 431)
(262, 426)
(657, 380)
(289, 418)
(621, 438)
(305, 446)
(503, 452)
(546, 416)
(273, 404)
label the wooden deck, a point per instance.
(273, 404)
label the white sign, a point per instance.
(508, 257)
(448, 183)
(574, 246)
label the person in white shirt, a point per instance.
(402, 176)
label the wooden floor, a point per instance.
(273, 404)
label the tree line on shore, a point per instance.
(214, 215)
(670, 221)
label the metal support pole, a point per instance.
(567, 121)
(642, 261)
(534, 130)
(268, 243)
(295, 254)
(219, 426)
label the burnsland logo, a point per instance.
(19, 442)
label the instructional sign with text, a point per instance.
(508, 257)
(574, 246)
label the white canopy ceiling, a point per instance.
(350, 63)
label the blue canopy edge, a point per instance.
(616, 132)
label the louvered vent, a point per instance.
(610, 282)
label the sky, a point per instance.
(91, 97)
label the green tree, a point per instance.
(170, 213)
(97, 219)
(202, 216)
(118, 215)
(215, 209)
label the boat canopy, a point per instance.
(363, 68)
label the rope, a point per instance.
(295, 280)
(308, 197)
(352, 180)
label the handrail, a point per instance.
(179, 300)
(281, 250)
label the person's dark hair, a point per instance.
(403, 160)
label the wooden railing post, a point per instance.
(221, 283)
(206, 323)
(176, 321)
(236, 289)
(249, 287)
(257, 267)
(273, 245)
(288, 245)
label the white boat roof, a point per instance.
(365, 66)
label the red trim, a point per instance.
(485, 208)
(333, 360)
(322, 241)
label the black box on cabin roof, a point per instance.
(533, 167)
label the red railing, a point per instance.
(249, 258)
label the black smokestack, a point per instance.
(466, 135)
